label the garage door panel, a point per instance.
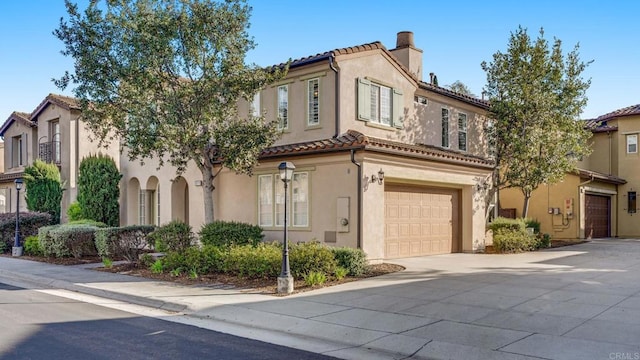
(426, 220)
(597, 216)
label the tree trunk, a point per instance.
(207, 192)
(525, 207)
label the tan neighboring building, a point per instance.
(604, 194)
(384, 161)
(53, 133)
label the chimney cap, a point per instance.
(404, 39)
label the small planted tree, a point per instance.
(44, 189)
(98, 190)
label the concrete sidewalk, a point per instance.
(577, 302)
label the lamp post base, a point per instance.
(285, 284)
(16, 251)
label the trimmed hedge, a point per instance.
(30, 222)
(261, 261)
(32, 246)
(122, 242)
(68, 240)
(174, 236)
(43, 189)
(506, 223)
(99, 190)
(311, 257)
(228, 233)
(353, 260)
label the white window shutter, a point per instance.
(364, 99)
(398, 109)
(23, 159)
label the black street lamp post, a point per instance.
(285, 280)
(17, 249)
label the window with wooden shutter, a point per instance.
(462, 132)
(364, 99)
(445, 128)
(398, 109)
(283, 107)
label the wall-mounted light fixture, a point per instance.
(379, 178)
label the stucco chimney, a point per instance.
(407, 53)
(405, 39)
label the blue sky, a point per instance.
(456, 36)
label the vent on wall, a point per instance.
(330, 236)
(421, 100)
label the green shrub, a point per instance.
(146, 260)
(98, 189)
(125, 242)
(173, 260)
(30, 222)
(315, 278)
(32, 246)
(43, 189)
(157, 267)
(340, 272)
(532, 223)
(311, 257)
(544, 241)
(68, 240)
(88, 222)
(510, 241)
(174, 236)
(108, 263)
(353, 260)
(261, 261)
(506, 223)
(228, 233)
(74, 212)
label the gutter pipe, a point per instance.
(359, 229)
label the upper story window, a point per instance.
(380, 104)
(421, 100)
(445, 128)
(283, 107)
(255, 105)
(313, 102)
(631, 202)
(632, 144)
(54, 134)
(17, 149)
(462, 132)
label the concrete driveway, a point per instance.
(577, 302)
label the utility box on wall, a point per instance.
(342, 215)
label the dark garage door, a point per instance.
(597, 216)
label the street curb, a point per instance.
(10, 277)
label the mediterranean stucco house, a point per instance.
(384, 160)
(601, 200)
(53, 133)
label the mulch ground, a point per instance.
(554, 244)
(260, 286)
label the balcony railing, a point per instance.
(49, 152)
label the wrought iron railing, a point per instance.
(50, 152)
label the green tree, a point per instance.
(98, 189)
(166, 77)
(459, 87)
(44, 189)
(536, 97)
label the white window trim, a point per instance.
(463, 130)
(278, 186)
(635, 142)
(365, 104)
(283, 123)
(316, 98)
(445, 134)
(256, 105)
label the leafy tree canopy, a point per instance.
(165, 77)
(536, 96)
(459, 87)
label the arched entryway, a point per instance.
(150, 202)
(180, 199)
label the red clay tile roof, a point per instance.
(66, 102)
(594, 175)
(355, 140)
(15, 116)
(627, 111)
(377, 45)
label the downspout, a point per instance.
(359, 229)
(610, 154)
(337, 96)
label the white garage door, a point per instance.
(421, 221)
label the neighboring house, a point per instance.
(602, 200)
(53, 133)
(384, 161)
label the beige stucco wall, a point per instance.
(628, 168)
(18, 128)
(566, 224)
